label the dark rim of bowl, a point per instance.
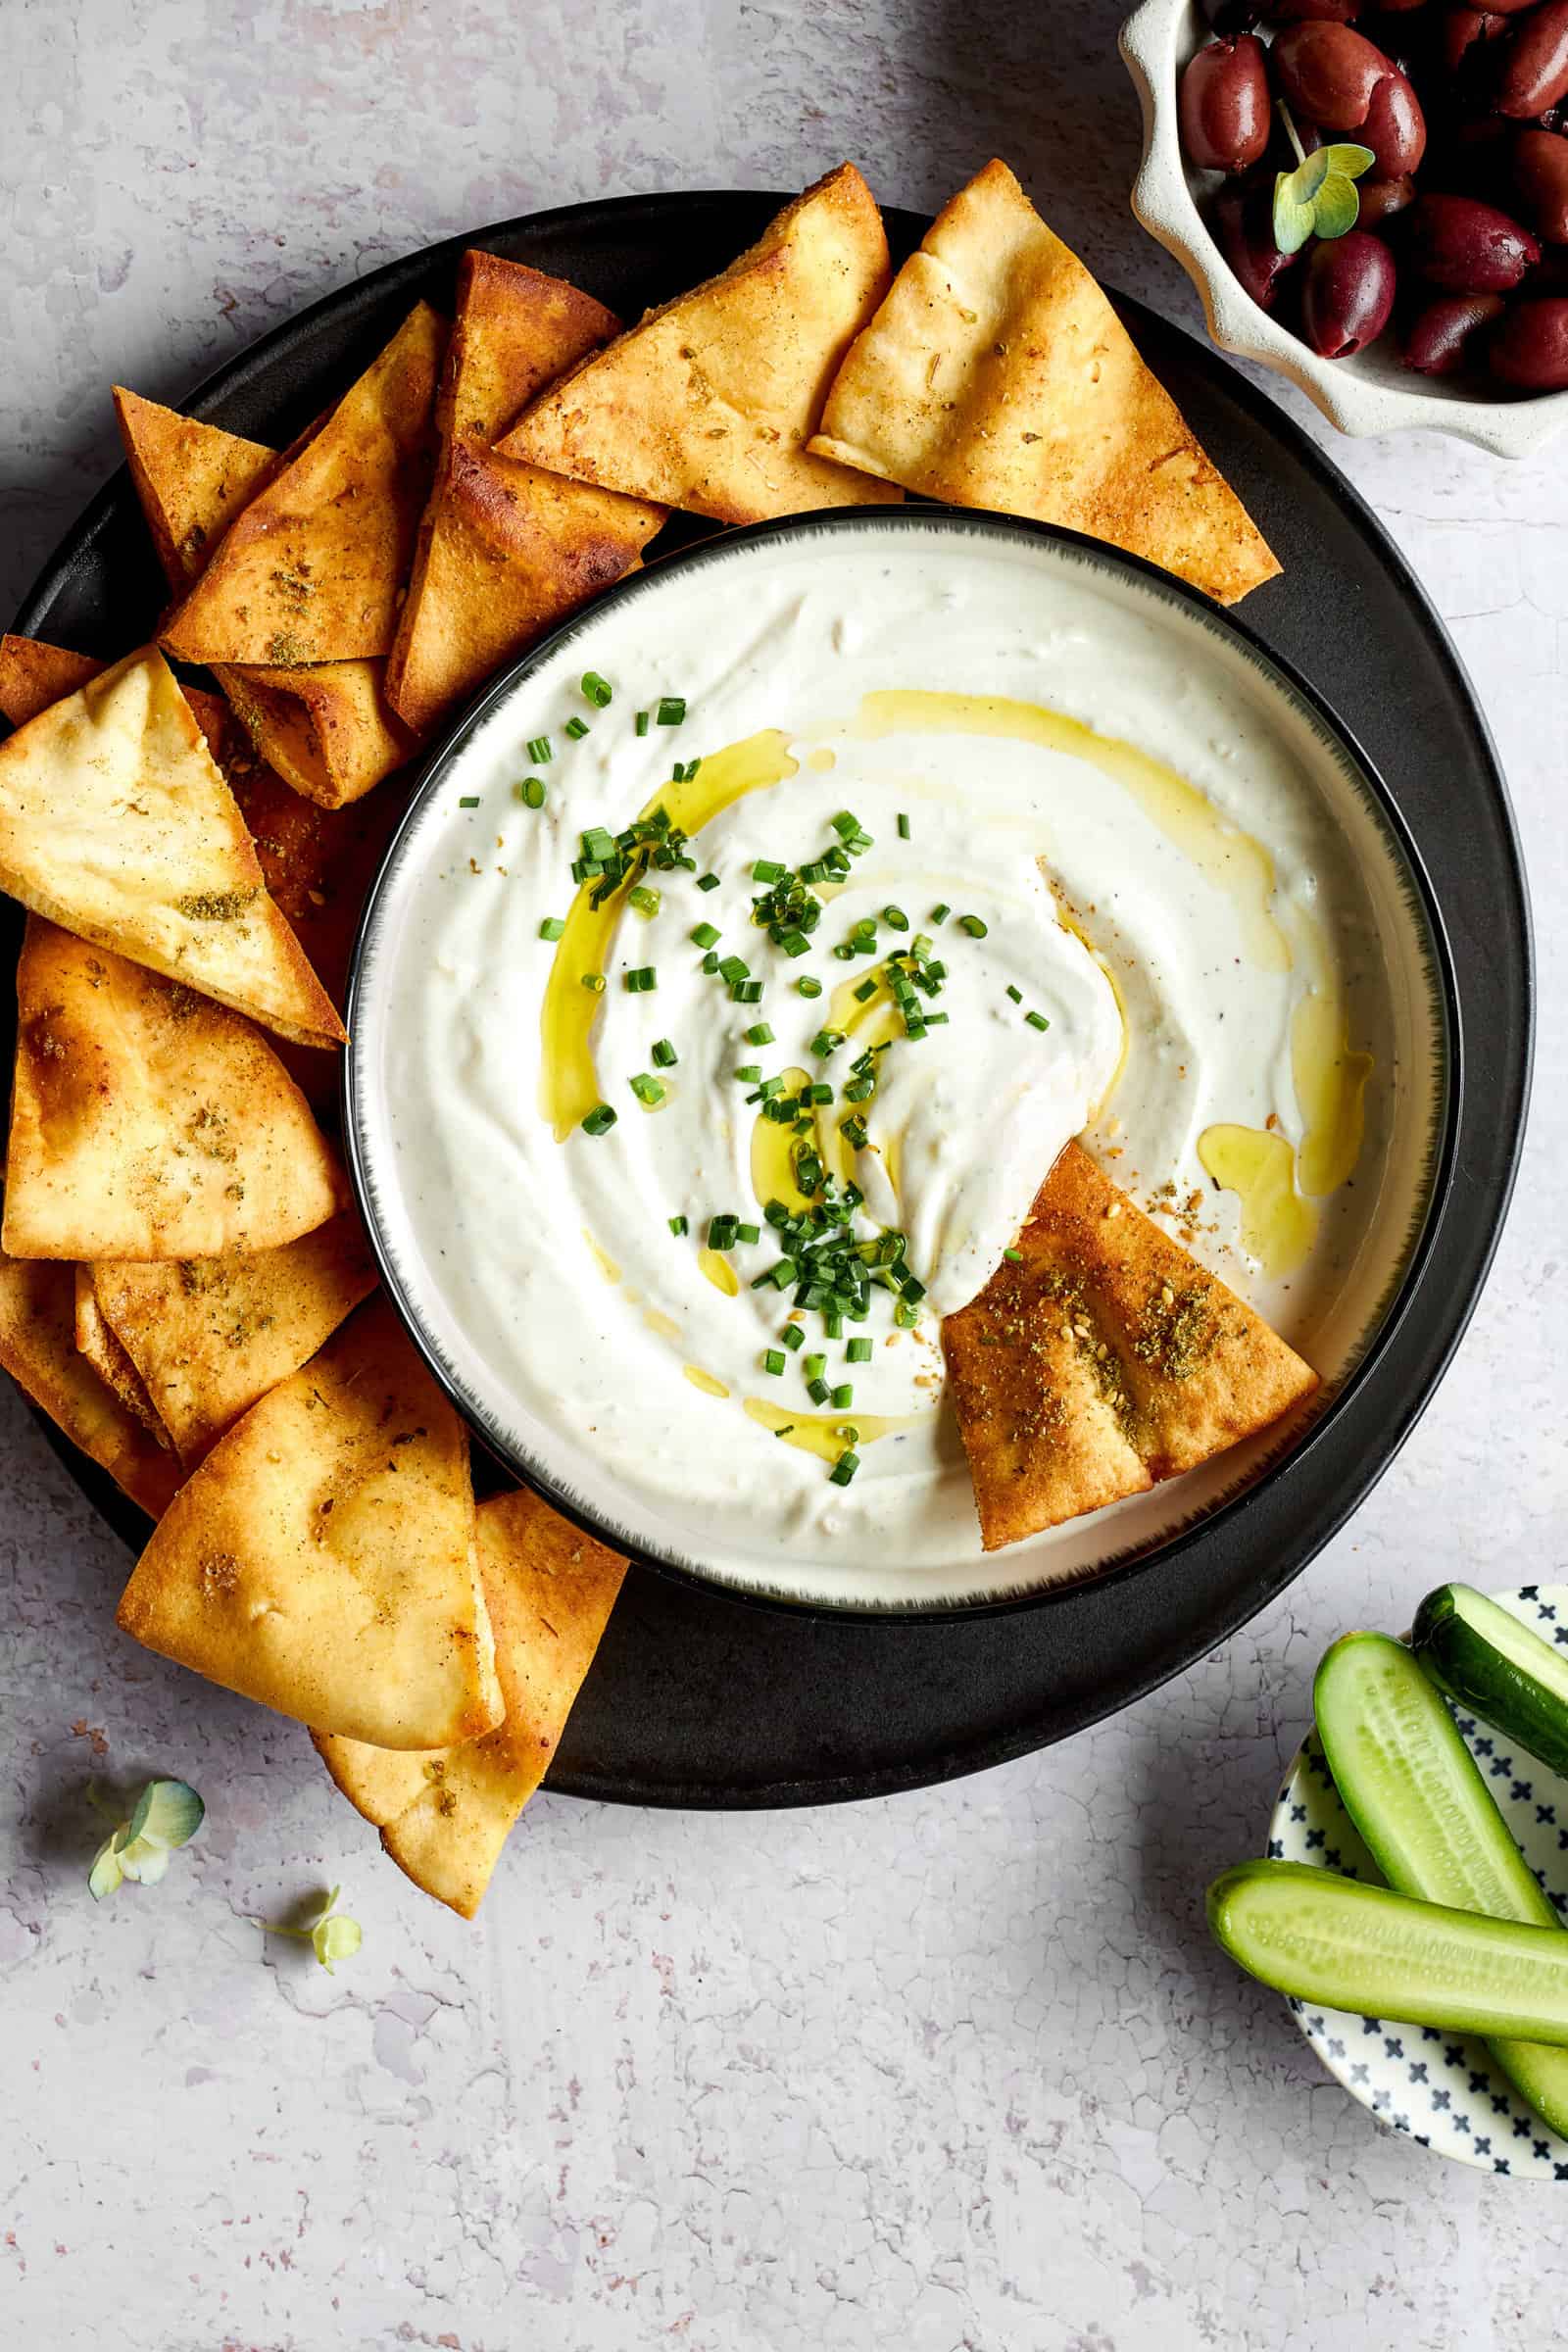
(1173, 591)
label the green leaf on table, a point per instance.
(167, 1814)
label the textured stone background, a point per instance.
(956, 2071)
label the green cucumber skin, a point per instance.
(1416, 1796)
(1464, 1664)
(1339, 1944)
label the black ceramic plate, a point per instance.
(699, 1699)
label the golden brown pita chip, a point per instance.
(311, 569)
(323, 1558)
(1103, 1360)
(709, 404)
(207, 1336)
(98, 1344)
(33, 674)
(147, 1121)
(38, 1348)
(445, 1817)
(997, 375)
(327, 730)
(115, 822)
(504, 549)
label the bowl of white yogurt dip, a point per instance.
(952, 837)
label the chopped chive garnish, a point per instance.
(751, 1233)
(551, 927)
(709, 963)
(585, 869)
(759, 1034)
(732, 968)
(749, 1073)
(814, 1366)
(774, 1360)
(808, 985)
(1014, 1257)
(664, 1054)
(940, 914)
(647, 901)
(843, 1397)
(894, 918)
(860, 1090)
(905, 1316)
(706, 934)
(854, 1131)
(596, 690)
(745, 992)
(671, 709)
(540, 753)
(974, 924)
(826, 1042)
(858, 1352)
(1037, 1020)
(647, 1089)
(469, 799)
(600, 1120)
(641, 980)
(679, 1226)
(642, 722)
(597, 845)
(721, 1232)
(868, 990)
(595, 981)
(818, 1391)
(844, 825)
(794, 943)
(787, 1430)
(708, 882)
(844, 1469)
(818, 1090)
(833, 1324)
(1016, 995)
(531, 792)
(768, 870)
(576, 728)
(793, 1336)
(904, 826)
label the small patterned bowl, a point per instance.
(1442, 2088)
(1369, 394)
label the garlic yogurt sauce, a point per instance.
(1129, 850)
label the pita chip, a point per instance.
(1103, 1359)
(445, 1816)
(113, 1367)
(504, 550)
(38, 1348)
(147, 1121)
(327, 730)
(997, 375)
(709, 403)
(323, 1558)
(115, 822)
(207, 1336)
(311, 567)
(34, 674)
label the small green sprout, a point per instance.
(165, 1815)
(331, 1934)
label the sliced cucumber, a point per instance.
(1324, 1939)
(1487, 1661)
(1412, 1789)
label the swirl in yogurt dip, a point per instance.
(1155, 935)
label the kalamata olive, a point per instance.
(1231, 17)
(1395, 128)
(1438, 336)
(1226, 115)
(1459, 29)
(1534, 70)
(1467, 247)
(1330, 73)
(1540, 176)
(1313, 12)
(1244, 225)
(1381, 199)
(1530, 349)
(1348, 294)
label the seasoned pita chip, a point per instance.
(311, 569)
(323, 1558)
(709, 404)
(38, 1348)
(997, 375)
(504, 549)
(445, 1817)
(113, 1367)
(147, 1121)
(327, 730)
(33, 674)
(1103, 1359)
(207, 1336)
(115, 822)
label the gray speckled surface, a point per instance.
(956, 2071)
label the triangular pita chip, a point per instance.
(108, 1358)
(445, 1817)
(147, 1121)
(709, 404)
(506, 550)
(323, 1558)
(33, 674)
(115, 822)
(310, 569)
(997, 375)
(1102, 1359)
(38, 1348)
(207, 1336)
(327, 730)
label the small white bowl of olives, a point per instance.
(1371, 200)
